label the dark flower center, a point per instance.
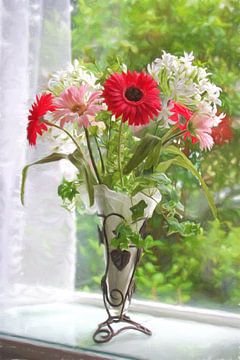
(133, 94)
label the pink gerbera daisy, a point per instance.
(132, 95)
(201, 126)
(77, 104)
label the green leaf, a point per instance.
(90, 182)
(138, 210)
(148, 242)
(115, 242)
(183, 161)
(67, 190)
(126, 236)
(185, 228)
(164, 165)
(50, 158)
(78, 160)
(144, 148)
(153, 157)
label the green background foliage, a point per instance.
(183, 268)
(138, 30)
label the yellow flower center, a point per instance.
(79, 108)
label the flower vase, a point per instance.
(120, 265)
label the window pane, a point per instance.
(198, 270)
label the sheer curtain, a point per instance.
(37, 243)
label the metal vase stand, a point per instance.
(105, 331)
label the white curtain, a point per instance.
(37, 243)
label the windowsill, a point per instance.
(178, 332)
(214, 317)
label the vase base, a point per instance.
(105, 331)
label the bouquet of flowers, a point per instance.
(127, 128)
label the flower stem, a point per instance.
(119, 153)
(100, 155)
(66, 132)
(91, 155)
(174, 136)
(156, 128)
(109, 137)
(169, 133)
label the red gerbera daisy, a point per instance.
(181, 116)
(39, 108)
(223, 132)
(132, 95)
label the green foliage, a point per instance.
(77, 159)
(67, 190)
(183, 161)
(109, 143)
(141, 159)
(194, 268)
(185, 228)
(143, 150)
(202, 268)
(50, 158)
(126, 236)
(89, 254)
(221, 167)
(168, 216)
(138, 30)
(138, 210)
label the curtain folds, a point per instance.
(37, 242)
